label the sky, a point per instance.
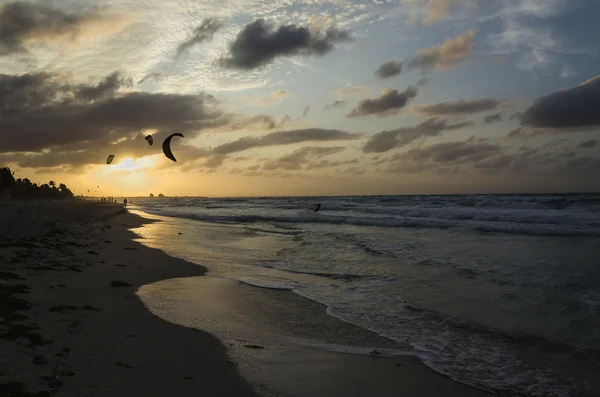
(302, 97)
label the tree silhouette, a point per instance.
(23, 188)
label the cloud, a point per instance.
(460, 107)
(388, 140)
(337, 104)
(390, 102)
(442, 156)
(258, 44)
(352, 90)
(106, 88)
(524, 34)
(296, 159)
(76, 124)
(23, 23)
(389, 69)
(589, 144)
(305, 111)
(149, 76)
(493, 118)
(284, 138)
(446, 55)
(434, 10)
(202, 33)
(568, 108)
(260, 121)
(516, 133)
(266, 100)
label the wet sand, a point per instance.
(72, 322)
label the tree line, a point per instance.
(23, 188)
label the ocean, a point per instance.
(500, 292)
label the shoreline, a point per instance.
(71, 324)
(87, 335)
(289, 329)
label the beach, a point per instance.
(73, 323)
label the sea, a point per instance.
(499, 292)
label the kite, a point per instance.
(166, 146)
(110, 158)
(149, 139)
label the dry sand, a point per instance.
(67, 329)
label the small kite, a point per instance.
(110, 158)
(318, 207)
(149, 139)
(166, 146)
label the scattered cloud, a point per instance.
(305, 111)
(390, 102)
(23, 23)
(266, 100)
(202, 33)
(150, 76)
(568, 108)
(446, 55)
(284, 138)
(387, 140)
(431, 11)
(460, 107)
(258, 44)
(520, 133)
(389, 69)
(352, 90)
(516, 133)
(337, 104)
(260, 121)
(305, 155)
(493, 118)
(442, 156)
(535, 44)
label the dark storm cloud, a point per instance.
(493, 118)
(335, 105)
(43, 111)
(300, 157)
(589, 144)
(389, 69)
(575, 107)
(284, 138)
(259, 43)
(388, 140)
(21, 22)
(390, 102)
(460, 107)
(202, 33)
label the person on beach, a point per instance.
(125, 202)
